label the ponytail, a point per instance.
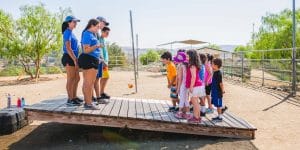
(64, 26)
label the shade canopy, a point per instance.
(190, 42)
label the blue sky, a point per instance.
(161, 21)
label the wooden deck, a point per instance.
(143, 114)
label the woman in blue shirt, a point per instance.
(89, 60)
(69, 59)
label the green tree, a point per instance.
(116, 55)
(276, 33)
(149, 57)
(27, 40)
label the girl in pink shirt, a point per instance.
(193, 83)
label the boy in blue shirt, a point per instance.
(217, 89)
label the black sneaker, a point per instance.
(78, 99)
(171, 109)
(224, 109)
(104, 96)
(73, 103)
(94, 99)
(102, 101)
(202, 114)
(217, 119)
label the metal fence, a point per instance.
(272, 68)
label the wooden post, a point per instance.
(133, 51)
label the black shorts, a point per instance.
(208, 89)
(67, 60)
(86, 61)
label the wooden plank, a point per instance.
(141, 124)
(235, 123)
(165, 107)
(147, 111)
(107, 109)
(245, 123)
(124, 109)
(131, 108)
(98, 112)
(46, 105)
(139, 109)
(220, 124)
(154, 111)
(116, 109)
(161, 110)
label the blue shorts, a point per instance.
(100, 70)
(217, 101)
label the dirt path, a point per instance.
(277, 126)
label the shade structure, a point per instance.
(190, 42)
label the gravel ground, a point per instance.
(276, 119)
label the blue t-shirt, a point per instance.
(202, 72)
(88, 38)
(104, 50)
(69, 36)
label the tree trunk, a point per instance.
(37, 69)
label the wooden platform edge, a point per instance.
(139, 124)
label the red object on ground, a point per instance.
(19, 102)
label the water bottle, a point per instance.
(8, 101)
(19, 103)
(23, 102)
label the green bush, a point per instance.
(11, 71)
(53, 70)
(149, 57)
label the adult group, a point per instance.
(93, 60)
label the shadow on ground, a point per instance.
(67, 136)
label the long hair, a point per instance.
(202, 58)
(193, 58)
(92, 22)
(64, 26)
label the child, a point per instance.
(166, 58)
(202, 78)
(193, 83)
(184, 105)
(207, 81)
(217, 88)
(102, 74)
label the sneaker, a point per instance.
(224, 109)
(102, 101)
(176, 109)
(78, 99)
(90, 106)
(194, 120)
(179, 115)
(217, 119)
(73, 103)
(191, 109)
(104, 96)
(94, 99)
(209, 111)
(187, 116)
(202, 114)
(171, 109)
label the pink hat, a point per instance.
(180, 57)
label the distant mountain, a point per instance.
(229, 48)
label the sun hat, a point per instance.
(180, 58)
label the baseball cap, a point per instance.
(71, 18)
(103, 20)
